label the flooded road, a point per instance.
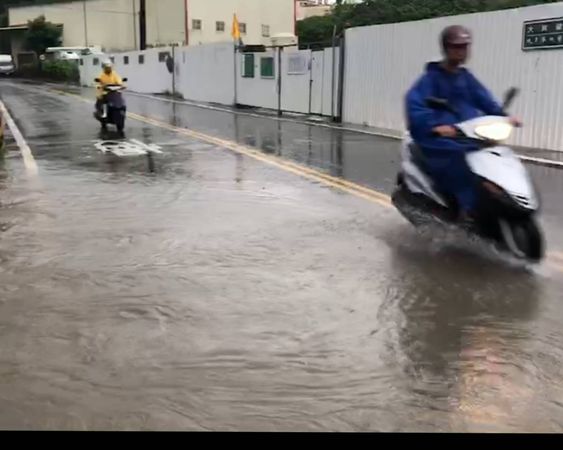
(197, 288)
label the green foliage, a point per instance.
(315, 30)
(372, 12)
(41, 35)
(61, 70)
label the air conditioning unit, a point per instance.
(284, 40)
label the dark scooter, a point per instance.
(114, 109)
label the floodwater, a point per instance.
(194, 288)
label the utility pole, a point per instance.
(85, 23)
(280, 49)
(134, 24)
(143, 24)
(333, 82)
(186, 23)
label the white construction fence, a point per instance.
(380, 64)
(207, 73)
(383, 61)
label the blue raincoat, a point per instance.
(445, 158)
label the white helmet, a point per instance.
(107, 63)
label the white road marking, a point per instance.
(28, 159)
(153, 148)
(133, 147)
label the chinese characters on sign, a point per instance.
(543, 34)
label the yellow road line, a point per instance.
(275, 161)
(297, 169)
(555, 259)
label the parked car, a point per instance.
(7, 66)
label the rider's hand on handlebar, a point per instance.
(445, 131)
(515, 122)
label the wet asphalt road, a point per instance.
(201, 289)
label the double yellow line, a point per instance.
(288, 166)
(555, 259)
(281, 163)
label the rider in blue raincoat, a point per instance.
(432, 128)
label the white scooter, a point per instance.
(507, 199)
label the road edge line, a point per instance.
(27, 155)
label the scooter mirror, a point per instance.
(437, 103)
(97, 80)
(441, 103)
(125, 80)
(509, 97)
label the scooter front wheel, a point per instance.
(524, 239)
(120, 120)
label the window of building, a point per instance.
(112, 59)
(220, 26)
(196, 24)
(141, 59)
(81, 62)
(242, 28)
(265, 30)
(126, 60)
(267, 67)
(96, 62)
(248, 65)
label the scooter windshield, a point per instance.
(495, 131)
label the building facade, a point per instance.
(312, 8)
(111, 24)
(114, 24)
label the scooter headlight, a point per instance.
(498, 131)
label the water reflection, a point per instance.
(465, 346)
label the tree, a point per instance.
(5, 4)
(315, 30)
(41, 35)
(372, 12)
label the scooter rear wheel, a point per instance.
(119, 119)
(528, 239)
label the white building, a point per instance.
(114, 24)
(312, 8)
(211, 20)
(111, 24)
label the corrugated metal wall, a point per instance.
(296, 86)
(308, 92)
(257, 91)
(89, 70)
(328, 95)
(206, 73)
(383, 61)
(150, 77)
